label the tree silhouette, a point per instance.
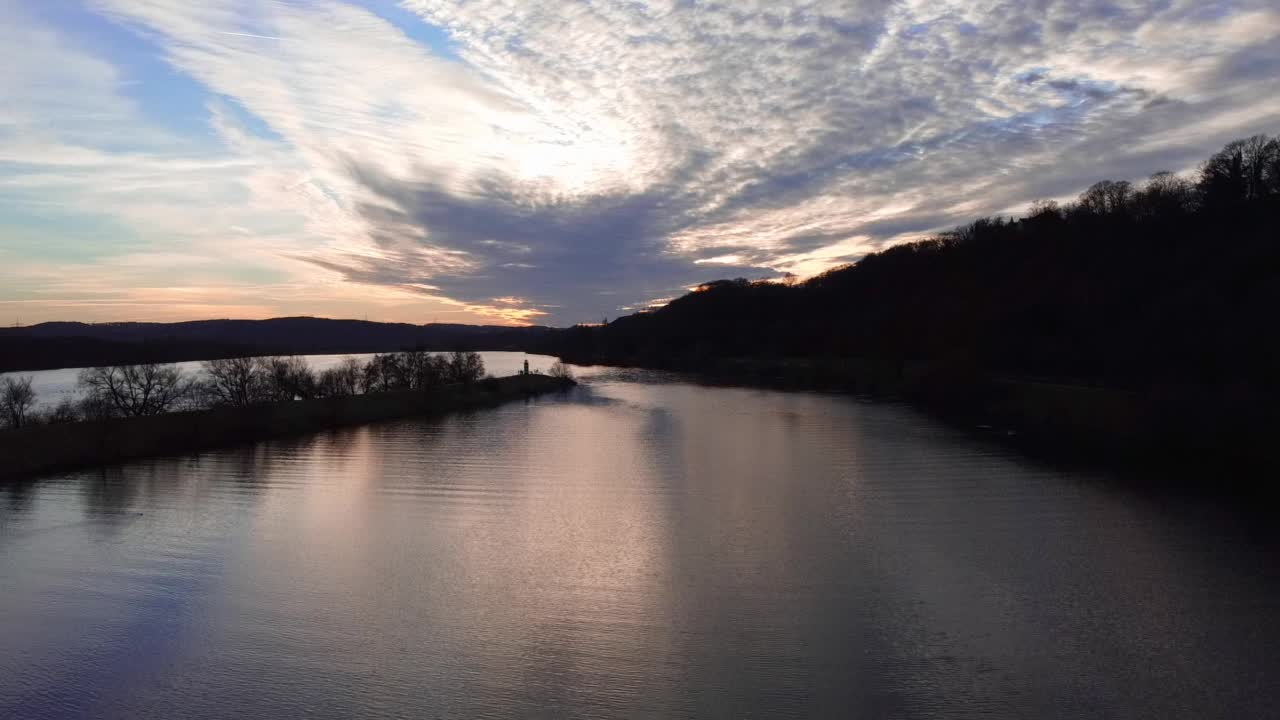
(1166, 289)
(135, 390)
(17, 398)
(235, 381)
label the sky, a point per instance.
(559, 161)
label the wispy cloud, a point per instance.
(249, 35)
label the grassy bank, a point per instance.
(46, 448)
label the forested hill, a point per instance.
(52, 345)
(1168, 284)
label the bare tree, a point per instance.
(465, 367)
(419, 370)
(439, 369)
(16, 400)
(561, 371)
(341, 380)
(65, 411)
(1270, 163)
(1242, 170)
(135, 390)
(1106, 197)
(1164, 195)
(428, 370)
(235, 381)
(95, 407)
(289, 378)
(384, 373)
(1045, 208)
(1260, 153)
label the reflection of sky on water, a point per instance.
(628, 549)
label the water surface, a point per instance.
(634, 548)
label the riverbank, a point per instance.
(1171, 434)
(47, 448)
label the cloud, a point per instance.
(793, 139)
(586, 157)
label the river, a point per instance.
(637, 547)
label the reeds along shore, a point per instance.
(46, 448)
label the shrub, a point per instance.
(66, 411)
(561, 371)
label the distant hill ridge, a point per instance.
(74, 344)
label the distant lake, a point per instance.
(53, 386)
(637, 547)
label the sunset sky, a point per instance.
(512, 161)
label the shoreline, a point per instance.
(1170, 436)
(40, 449)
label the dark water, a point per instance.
(635, 549)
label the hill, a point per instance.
(1160, 296)
(68, 344)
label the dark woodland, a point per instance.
(1165, 292)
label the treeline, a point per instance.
(147, 389)
(1166, 288)
(44, 448)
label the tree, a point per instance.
(425, 370)
(1245, 169)
(16, 400)
(1271, 168)
(1222, 176)
(1045, 210)
(465, 367)
(235, 381)
(1164, 196)
(65, 411)
(1260, 154)
(288, 378)
(1108, 197)
(135, 390)
(342, 380)
(418, 370)
(95, 407)
(385, 373)
(561, 371)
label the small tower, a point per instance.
(526, 367)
